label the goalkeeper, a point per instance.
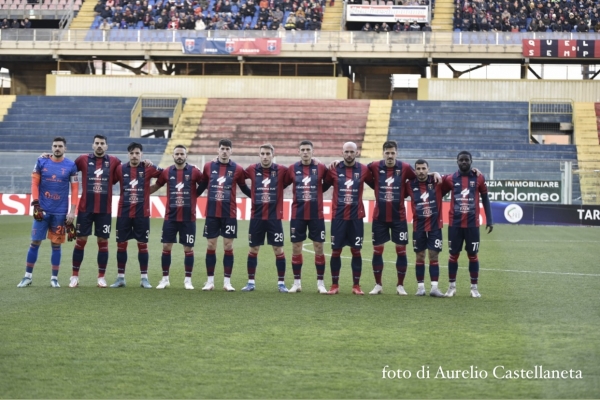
(50, 182)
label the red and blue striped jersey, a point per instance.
(181, 192)
(222, 181)
(267, 186)
(97, 178)
(308, 189)
(389, 189)
(55, 181)
(135, 189)
(426, 202)
(464, 199)
(348, 184)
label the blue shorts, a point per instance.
(101, 221)
(427, 240)
(133, 228)
(347, 233)
(52, 226)
(316, 230)
(273, 228)
(215, 227)
(456, 237)
(186, 231)
(381, 232)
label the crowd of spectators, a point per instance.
(15, 23)
(210, 15)
(527, 16)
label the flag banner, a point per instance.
(552, 48)
(232, 46)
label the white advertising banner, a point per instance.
(368, 13)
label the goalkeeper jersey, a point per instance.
(55, 178)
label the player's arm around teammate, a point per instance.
(307, 177)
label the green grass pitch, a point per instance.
(540, 307)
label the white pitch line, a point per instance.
(481, 269)
(544, 241)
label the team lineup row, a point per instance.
(392, 181)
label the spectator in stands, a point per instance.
(278, 14)
(98, 8)
(226, 8)
(160, 23)
(415, 27)
(376, 28)
(426, 28)
(15, 24)
(106, 13)
(5, 24)
(173, 23)
(385, 27)
(199, 25)
(105, 25)
(366, 27)
(26, 24)
(398, 27)
(290, 23)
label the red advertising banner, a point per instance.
(552, 48)
(19, 204)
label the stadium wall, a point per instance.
(508, 90)
(251, 87)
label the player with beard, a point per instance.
(95, 206)
(347, 227)
(182, 182)
(50, 182)
(466, 188)
(426, 202)
(133, 217)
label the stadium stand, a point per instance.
(522, 16)
(208, 15)
(497, 131)
(283, 123)
(587, 140)
(33, 121)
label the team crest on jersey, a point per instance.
(141, 174)
(430, 186)
(187, 177)
(356, 175)
(472, 184)
(313, 171)
(230, 173)
(398, 172)
(273, 173)
(106, 164)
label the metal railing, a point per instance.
(549, 107)
(590, 186)
(432, 39)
